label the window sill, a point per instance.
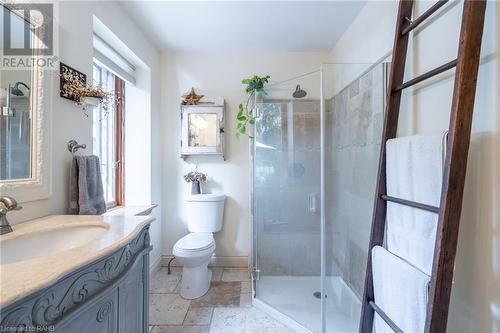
(131, 210)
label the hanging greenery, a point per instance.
(254, 86)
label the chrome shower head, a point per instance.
(16, 91)
(299, 93)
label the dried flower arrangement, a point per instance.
(195, 176)
(82, 94)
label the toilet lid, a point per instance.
(195, 241)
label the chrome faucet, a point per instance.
(9, 204)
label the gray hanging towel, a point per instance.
(86, 194)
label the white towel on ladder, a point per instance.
(414, 171)
(401, 291)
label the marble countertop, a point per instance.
(19, 279)
(131, 210)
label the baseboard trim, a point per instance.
(155, 265)
(216, 261)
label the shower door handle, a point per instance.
(256, 113)
(312, 203)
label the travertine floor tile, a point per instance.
(244, 320)
(167, 309)
(259, 321)
(228, 320)
(246, 287)
(235, 274)
(198, 316)
(177, 289)
(180, 329)
(245, 300)
(226, 308)
(161, 282)
(220, 294)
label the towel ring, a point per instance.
(73, 146)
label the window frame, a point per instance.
(120, 141)
(118, 109)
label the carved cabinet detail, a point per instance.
(108, 296)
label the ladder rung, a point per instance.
(423, 17)
(410, 203)
(425, 76)
(386, 318)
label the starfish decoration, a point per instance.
(192, 98)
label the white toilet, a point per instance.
(205, 214)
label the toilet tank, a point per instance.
(205, 212)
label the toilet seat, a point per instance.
(195, 242)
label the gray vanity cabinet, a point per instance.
(106, 296)
(100, 316)
(131, 303)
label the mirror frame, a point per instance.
(38, 186)
(218, 110)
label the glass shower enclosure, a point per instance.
(314, 159)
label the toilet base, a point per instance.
(195, 281)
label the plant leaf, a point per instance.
(254, 86)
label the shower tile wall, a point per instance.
(353, 130)
(287, 171)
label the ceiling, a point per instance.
(243, 26)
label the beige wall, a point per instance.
(475, 305)
(217, 75)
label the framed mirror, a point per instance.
(24, 131)
(202, 130)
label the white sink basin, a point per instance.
(46, 242)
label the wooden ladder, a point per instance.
(467, 64)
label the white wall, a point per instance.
(475, 305)
(75, 23)
(137, 150)
(217, 75)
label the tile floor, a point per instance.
(226, 308)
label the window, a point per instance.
(108, 136)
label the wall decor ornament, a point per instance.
(191, 98)
(75, 88)
(69, 75)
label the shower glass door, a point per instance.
(286, 199)
(353, 118)
(314, 165)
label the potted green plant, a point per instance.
(246, 114)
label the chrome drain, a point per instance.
(317, 294)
